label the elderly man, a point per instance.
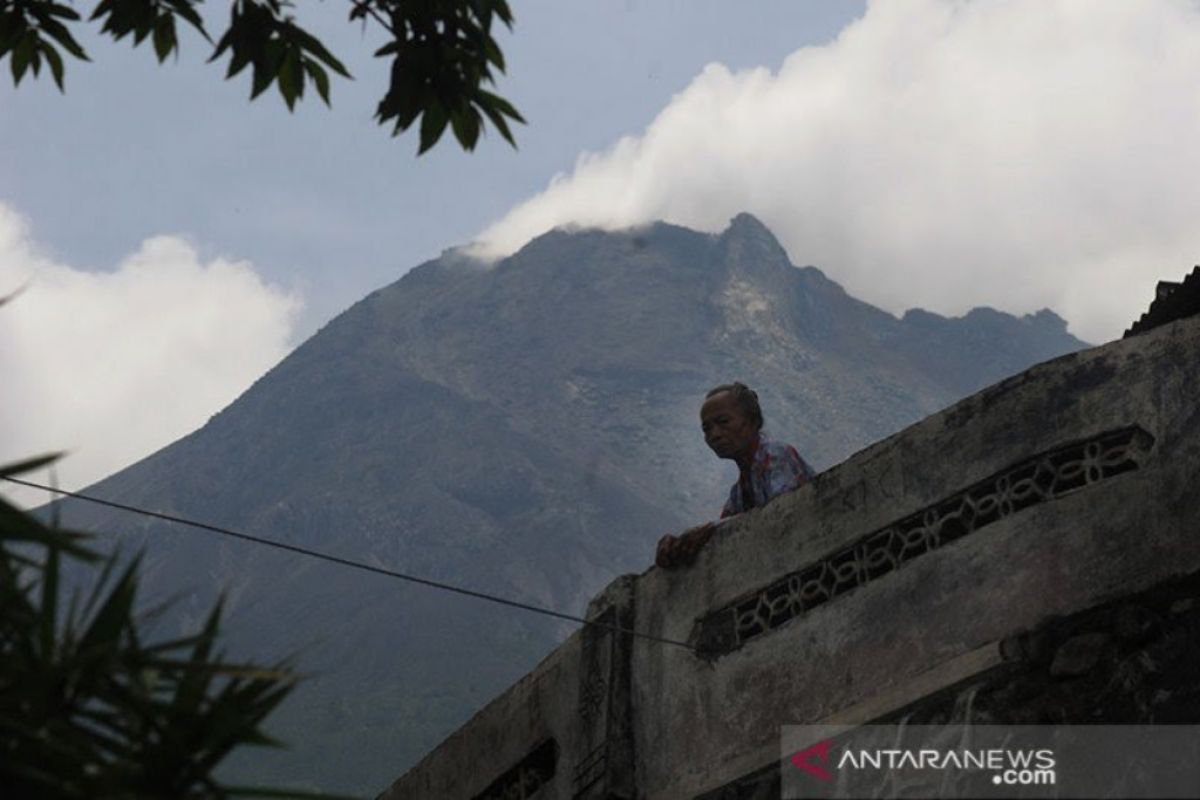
(732, 422)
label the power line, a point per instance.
(345, 562)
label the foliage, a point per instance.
(88, 708)
(442, 52)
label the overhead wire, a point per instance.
(345, 562)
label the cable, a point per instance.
(345, 562)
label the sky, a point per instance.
(175, 241)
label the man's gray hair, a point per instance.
(746, 399)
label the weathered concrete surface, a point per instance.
(563, 730)
(1141, 662)
(499, 737)
(1053, 492)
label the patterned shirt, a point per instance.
(775, 468)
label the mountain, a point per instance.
(527, 428)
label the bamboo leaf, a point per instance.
(49, 611)
(107, 625)
(29, 464)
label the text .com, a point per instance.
(1025, 777)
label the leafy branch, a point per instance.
(442, 53)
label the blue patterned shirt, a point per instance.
(775, 468)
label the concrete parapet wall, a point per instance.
(893, 575)
(490, 752)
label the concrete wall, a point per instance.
(911, 567)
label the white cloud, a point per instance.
(112, 366)
(939, 153)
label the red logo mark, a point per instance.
(821, 751)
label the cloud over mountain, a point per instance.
(947, 154)
(110, 366)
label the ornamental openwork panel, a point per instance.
(1046, 476)
(526, 778)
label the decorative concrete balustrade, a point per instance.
(921, 563)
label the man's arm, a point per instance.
(679, 551)
(786, 471)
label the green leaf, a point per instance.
(17, 526)
(49, 611)
(501, 9)
(57, 10)
(55, 62)
(164, 37)
(102, 8)
(465, 123)
(29, 464)
(266, 68)
(194, 681)
(500, 123)
(106, 626)
(492, 51)
(313, 45)
(261, 78)
(184, 9)
(496, 109)
(61, 34)
(291, 78)
(320, 78)
(223, 44)
(140, 32)
(433, 122)
(389, 48)
(22, 56)
(237, 63)
(110, 565)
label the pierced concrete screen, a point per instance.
(1037, 479)
(605, 767)
(527, 777)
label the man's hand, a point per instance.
(664, 556)
(679, 551)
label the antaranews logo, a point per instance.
(1010, 767)
(989, 762)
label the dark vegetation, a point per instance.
(90, 705)
(442, 52)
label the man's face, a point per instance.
(727, 429)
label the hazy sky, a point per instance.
(177, 240)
